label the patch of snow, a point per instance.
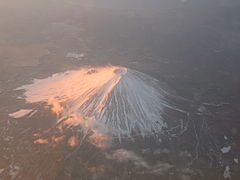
(21, 113)
(236, 160)
(32, 113)
(185, 154)
(157, 152)
(146, 151)
(14, 170)
(227, 173)
(161, 168)
(187, 171)
(226, 149)
(202, 109)
(225, 137)
(75, 55)
(123, 155)
(1, 170)
(8, 138)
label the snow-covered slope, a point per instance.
(109, 100)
